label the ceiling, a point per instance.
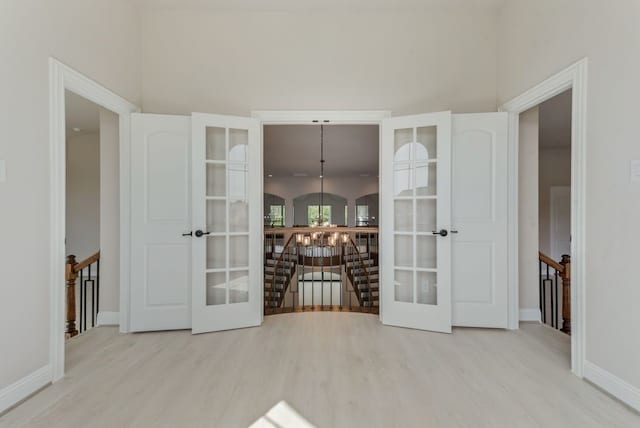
(294, 150)
(315, 4)
(555, 121)
(80, 114)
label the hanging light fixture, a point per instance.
(321, 221)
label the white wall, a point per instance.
(109, 212)
(528, 211)
(235, 60)
(554, 169)
(98, 38)
(537, 39)
(83, 195)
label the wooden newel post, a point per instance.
(566, 294)
(71, 275)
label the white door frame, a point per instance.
(573, 77)
(315, 117)
(61, 78)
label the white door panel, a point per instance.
(415, 200)
(479, 215)
(160, 214)
(227, 211)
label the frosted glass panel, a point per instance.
(238, 145)
(403, 216)
(216, 216)
(402, 180)
(238, 181)
(426, 147)
(427, 288)
(216, 251)
(215, 143)
(402, 144)
(426, 251)
(426, 215)
(403, 286)
(239, 216)
(216, 180)
(239, 286)
(403, 251)
(426, 179)
(216, 288)
(238, 251)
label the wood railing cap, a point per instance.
(548, 260)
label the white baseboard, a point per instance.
(529, 314)
(108, 318)
(615, 386)
(24, 387)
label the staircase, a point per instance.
(279, 270)
(363, 272)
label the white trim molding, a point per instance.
(351, 117)
(529, 314)
(108, 318)
(61, 78)
(23, 388)
(573, 77)
(612, 384)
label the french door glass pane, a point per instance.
(426, 209)
(403, 286)
(238, 145)
(402, 179)
(426, 179)
(238, 251)
(426, 147)
(239, 216)
(216, 216)
(426, 248)
(216, 180)
(216, 288)
(404, 250)
(215, 143)
(239, 286)
(216, 252)
(427, 288)
(402, 143)
(403, 215)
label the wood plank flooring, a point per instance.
(333, 369)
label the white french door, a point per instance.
(415, 250)
(226, 219)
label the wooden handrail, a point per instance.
(548, 260)
(72, 268)
(86, 262)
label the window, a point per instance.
(362, 215)
(313, 214)
(276, 215)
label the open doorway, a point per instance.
(321, 186)
(91, 219)
(545, 214)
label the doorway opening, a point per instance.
(320, 207)
(545, 213)
(91, 217)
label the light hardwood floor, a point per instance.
(334, 369)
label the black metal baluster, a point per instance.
(82, 300)
(556, 306)
(97, 286)
(540, 286)
(544, 297)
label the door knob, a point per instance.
(200, 233)
(188, 234)
(442, 232)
